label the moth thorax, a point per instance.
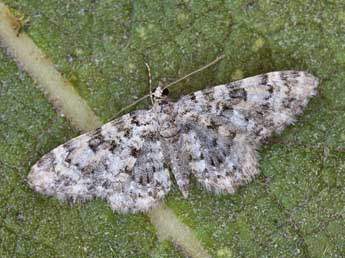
(166, 120)
(168, 129)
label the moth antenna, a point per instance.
(131, 105)
(150, 80)
(170, 84)
(196, 71)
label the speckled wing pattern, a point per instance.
(222, 127)
(211, 134)
(122, 162)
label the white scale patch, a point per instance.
(212, 135)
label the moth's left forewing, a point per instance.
(108, 163)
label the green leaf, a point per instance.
(295, 208)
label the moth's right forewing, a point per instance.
(273, 101)
(261, 105)
(223, 126)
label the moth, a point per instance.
(211, 134)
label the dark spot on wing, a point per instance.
(212, 125)
(270, 91)
(65, 181)
(46, 160)
(135, 152)
(283, 76)
(105, 165)
(126, 170)
(258, 132)
(235, 84)
(127, 132)
(212, 162)
(223, 153)
(294, 74)
(259, 112)
(68, 159)
(285, 81)
(135, 120)
(238, 94)
(106, 184)
(244, 95)
(148, 180)
(287, 102)
(263, 79)
(113, 146)
(91, 187)
(77, 165)
(88, 170)
(95, 133)
(292, 99)
(95, 141)
(265, 106)
(68, 146)
(192, 96)
(224, 106)
(220, 159)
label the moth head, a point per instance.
(160, 94)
